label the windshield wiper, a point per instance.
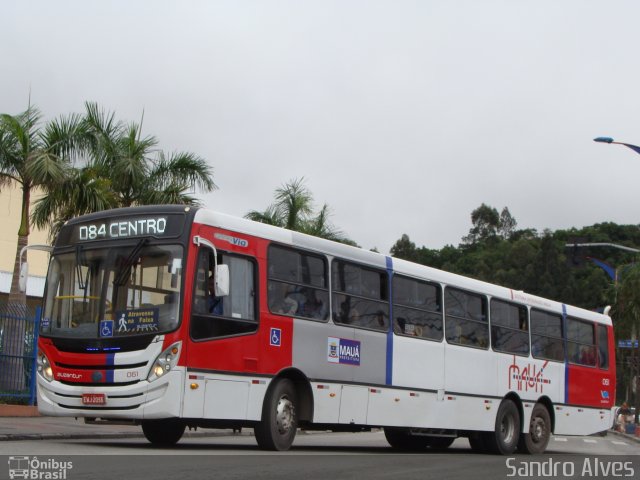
(133, 256)
(79, 261)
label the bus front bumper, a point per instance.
(161, 398)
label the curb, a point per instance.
(98, 436)
(624, 435)
(18, 411)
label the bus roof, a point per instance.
(308, 242)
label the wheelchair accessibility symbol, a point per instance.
(106, 328)
(275, 337)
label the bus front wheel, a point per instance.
(401, 439)
(537, 439)
(165, 432)
(277, 429)
(476, 441)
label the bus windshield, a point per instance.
(113, 292)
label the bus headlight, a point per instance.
(165, 362)
(44, 367)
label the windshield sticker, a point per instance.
(140, 320)
(106, 328)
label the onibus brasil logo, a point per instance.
(38, 469)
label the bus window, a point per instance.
(603, 347)
(417, 308)
(581, 342)
(546, 336)
(509, 328)
(229, 315)
(297, 284)
(466, 318)
(360, 296)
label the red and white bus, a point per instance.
(174, 317)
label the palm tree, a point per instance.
(34, 156)
(122, 168)
(293, 210)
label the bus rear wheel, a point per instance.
(277, 429)
(537, 439)
(504, 440)
(165, 432)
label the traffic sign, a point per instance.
(627, 343)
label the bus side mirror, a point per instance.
(222, 280)
(22, 279)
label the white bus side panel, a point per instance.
(225, 397)
(470, 371)
(581, 421)
(418, 363)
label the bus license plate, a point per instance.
(94, 399)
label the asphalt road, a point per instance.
(316, 455)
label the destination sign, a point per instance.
(122, 228)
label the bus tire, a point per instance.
(165, 432)
(476, 441)
(438, 444)
(504, 440)
(536, 441)
(277, 429)
(401, 439)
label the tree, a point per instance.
(507, 224)
(404, 248)
(293, 210)
(489, 225)
(626, 315)
(34, 156)
(485, 221)
(121, 168)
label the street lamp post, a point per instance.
(635, 366)
(635, 148)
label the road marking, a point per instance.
(587, 440)
(559, 439)
(618, 443)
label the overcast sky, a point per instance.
(403, 116)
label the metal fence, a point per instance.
(18, 350)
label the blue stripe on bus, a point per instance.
(566, 363)
(110, 362)
(389, 376)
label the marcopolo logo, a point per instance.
(38, 469)
(342, 350)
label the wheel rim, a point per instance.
(285, 415)
(537, 429)
(508, 429)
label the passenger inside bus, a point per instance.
(280, 300)
(311, 306)
(399, 325)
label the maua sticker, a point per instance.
(342, 350)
